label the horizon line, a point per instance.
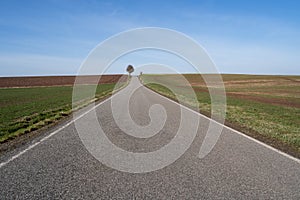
(55, 75)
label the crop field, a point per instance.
(26, 109)
(264, 107)
(35, 81)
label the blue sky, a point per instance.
(54, 37)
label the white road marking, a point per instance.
(80, 116)
(53, 133)
(233, 130)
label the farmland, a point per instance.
(27, 109)
(36, 81)
(264, 107)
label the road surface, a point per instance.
(57, 165)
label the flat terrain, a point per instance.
(264, 107)
(60, 167)
(55, 80)
(27, 109)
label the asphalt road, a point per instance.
(57, 165)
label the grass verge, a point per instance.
(24, 110)
(264, 107)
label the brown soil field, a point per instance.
(36, 81)
(274, 89)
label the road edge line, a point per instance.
(229, 128)
(2, 164)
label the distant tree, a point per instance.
(130, 69)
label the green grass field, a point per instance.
(23, 110)
(265, 107)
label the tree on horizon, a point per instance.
(130, 69)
